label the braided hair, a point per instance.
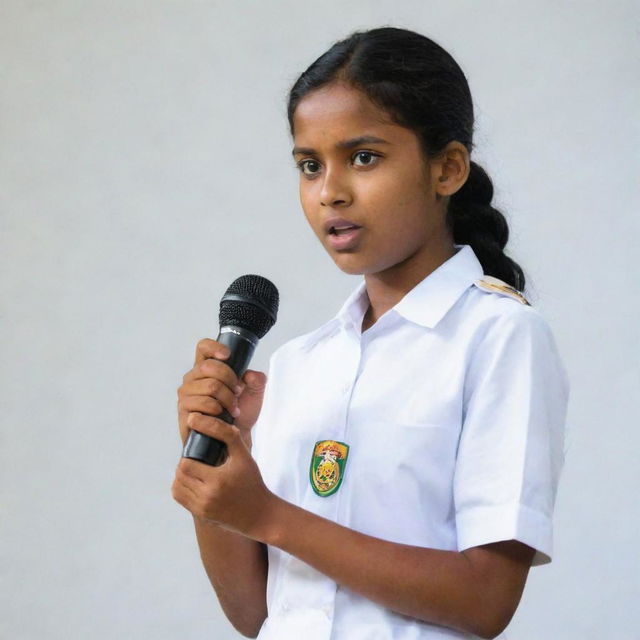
(422, 88)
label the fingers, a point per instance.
(211, 368)
(210, 387)
(216, 428)
(255, 381)
(187, 474)
(208, 348)
(186, 487)
(207, 395)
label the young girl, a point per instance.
(406, 453)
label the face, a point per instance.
(381, 184)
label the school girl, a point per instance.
(394, 474)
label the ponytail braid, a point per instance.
(472, 220)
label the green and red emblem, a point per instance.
(327, 466)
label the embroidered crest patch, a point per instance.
(327, 466)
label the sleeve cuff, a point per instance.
(485, 524)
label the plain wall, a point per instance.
(145, 163)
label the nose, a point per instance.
(335, 190)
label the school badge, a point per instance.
(327, 466)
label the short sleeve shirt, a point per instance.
(453, 406)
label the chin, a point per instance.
(354, 266)
(348, 266)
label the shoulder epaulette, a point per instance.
(489, 283)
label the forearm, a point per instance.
(237, 569)
(433, 585)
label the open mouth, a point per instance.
(336, 231)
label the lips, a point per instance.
(339, 226)
(346, 239)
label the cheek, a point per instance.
(402, 209)
(305, 202)
(313, 221)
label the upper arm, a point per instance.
(511, 448)
(501, 569)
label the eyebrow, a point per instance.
(344, 144)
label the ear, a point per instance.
(451, 169)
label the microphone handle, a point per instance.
(242, 344)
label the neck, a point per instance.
(386, 288)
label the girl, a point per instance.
(407, 452)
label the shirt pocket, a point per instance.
(410, 447)
(401, 477)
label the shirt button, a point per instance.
(345, 388)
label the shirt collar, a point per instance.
(426, 304)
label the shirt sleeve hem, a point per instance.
(485, 524)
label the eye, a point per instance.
(308, 167)
(367, 155)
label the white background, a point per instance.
(145, 163)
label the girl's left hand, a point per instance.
(233, 494)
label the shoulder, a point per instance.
(498, 313)
(490, 301)
(510, 338)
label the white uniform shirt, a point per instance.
(453, 405)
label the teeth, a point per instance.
(335, 230)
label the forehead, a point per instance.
(338, 109)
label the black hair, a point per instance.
(422, 88)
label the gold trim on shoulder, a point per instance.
(490, 283)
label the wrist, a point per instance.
(272, 519)
(203, 522)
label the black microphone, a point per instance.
(248, 310)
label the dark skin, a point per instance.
(400, 201)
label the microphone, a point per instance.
(248, 310)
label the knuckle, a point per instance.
(182, 472)
(201, 423)
(193, 419)
(205, 405)
(204, 345)
(214, 426)
(212, 491)
(207, 367)
(184, 404)
(213, 385)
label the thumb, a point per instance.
(255, 382)
(250, 400)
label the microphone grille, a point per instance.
(250, 302)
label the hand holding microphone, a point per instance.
(219, 382)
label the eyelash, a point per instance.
(300, 165)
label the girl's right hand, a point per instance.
(212, 386)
